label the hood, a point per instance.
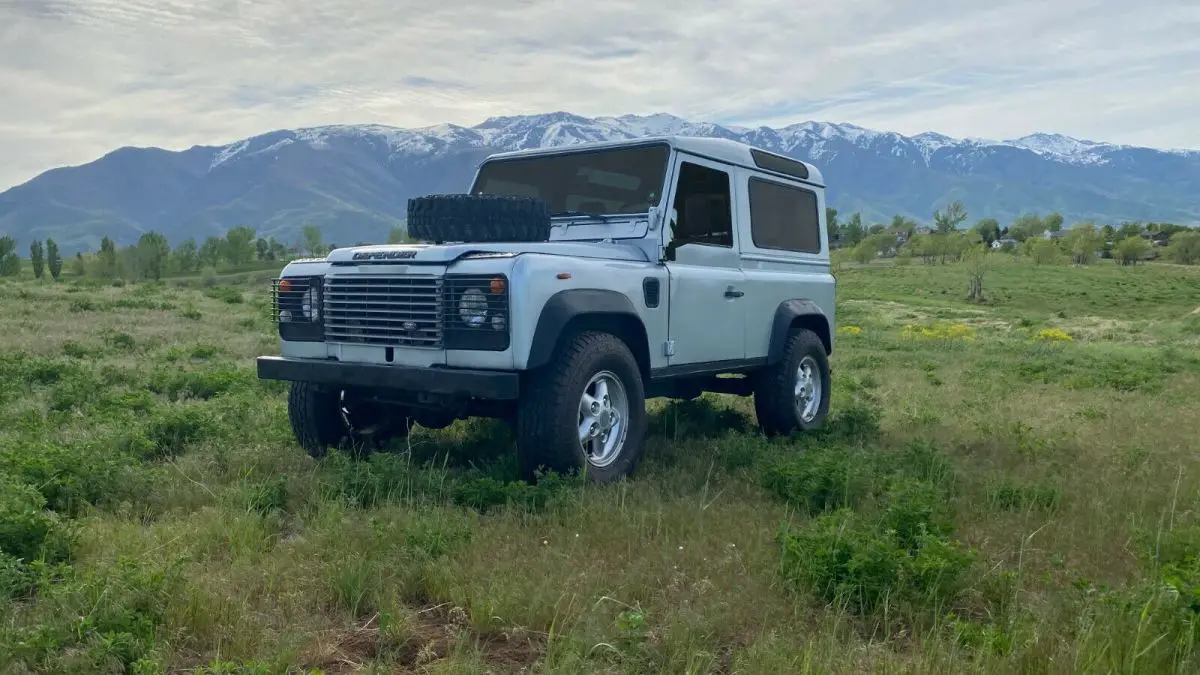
(447, 253)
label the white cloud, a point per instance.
(81, 77)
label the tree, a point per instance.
(853, 231)
(903, 225)
(10, 262)
(107, 258)
(37, 256)
(1185, 248)
(312, 240)
(186, 257)
(262, 250)
(1108, 232)
(1043, 251)
(238, 245)
(1129, 229)
(211, 252)
(988, 230)
(151, 255)
(1053, 222)
(976, 261)
(1130, 250)
(53, 259)
(948, 219)
(831, 222)
(1027, 226)
(1083, 240)
(78, 266)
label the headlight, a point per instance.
(311, 307)
(473, 307)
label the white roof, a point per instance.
(720, 149)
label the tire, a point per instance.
(776, 391)
(325, 418)
(478, 218)
(548, 417)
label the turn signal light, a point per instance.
(497, 286)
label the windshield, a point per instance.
(601, 182)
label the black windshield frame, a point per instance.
(624, 179)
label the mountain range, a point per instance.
(354, 181)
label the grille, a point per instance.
(288, 295)
(384, 310)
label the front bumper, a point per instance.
(460, 382)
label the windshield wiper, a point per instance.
(580, 214)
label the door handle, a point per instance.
(732, 292)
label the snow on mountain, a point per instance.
(818, 139)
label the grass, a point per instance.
(1005, 487)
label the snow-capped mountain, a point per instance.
(354, 180)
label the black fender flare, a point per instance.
(804, 313)
(566, 305)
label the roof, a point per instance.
(720, 149)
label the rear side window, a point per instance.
(784, 217)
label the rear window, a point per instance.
(784, 217)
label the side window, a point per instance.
(784, 217)
(704, 210)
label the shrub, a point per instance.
(27, 530)
(842, 557)
(820, 480)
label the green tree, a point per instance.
(107, 258)
(853, 231)
(1108, 232)
(831, 222)
(312, 240)
(1027, 226)
(976, 261)
(239, 248)
(988, 230)
(1053, 222)
(53, 259)
(211, 252)
(185, 259)
(78, 266)
(1185, 247)
(1131, 250)
(948, 219)
(1129, 229)
(37, 256)
(1043, 251)
(903, 225)
(151, 255)
(1083, 240)
(10, 262)
(262, 249)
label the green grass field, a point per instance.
(1007, 487)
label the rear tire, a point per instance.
(593, 383)
(324, 418)
(794, 393)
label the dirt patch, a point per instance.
(419, 643)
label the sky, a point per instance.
(79, 78)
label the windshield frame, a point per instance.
(659, 187)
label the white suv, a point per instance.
(570, 285)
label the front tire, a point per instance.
(585, 411)
(324, 418)
(794, 393)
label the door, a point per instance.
(706, 315)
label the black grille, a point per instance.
(403, 311)
(483, 292)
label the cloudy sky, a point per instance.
(81, 77)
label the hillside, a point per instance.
(354, 180)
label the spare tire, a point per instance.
(478, 218)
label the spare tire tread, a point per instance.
(478, 218)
